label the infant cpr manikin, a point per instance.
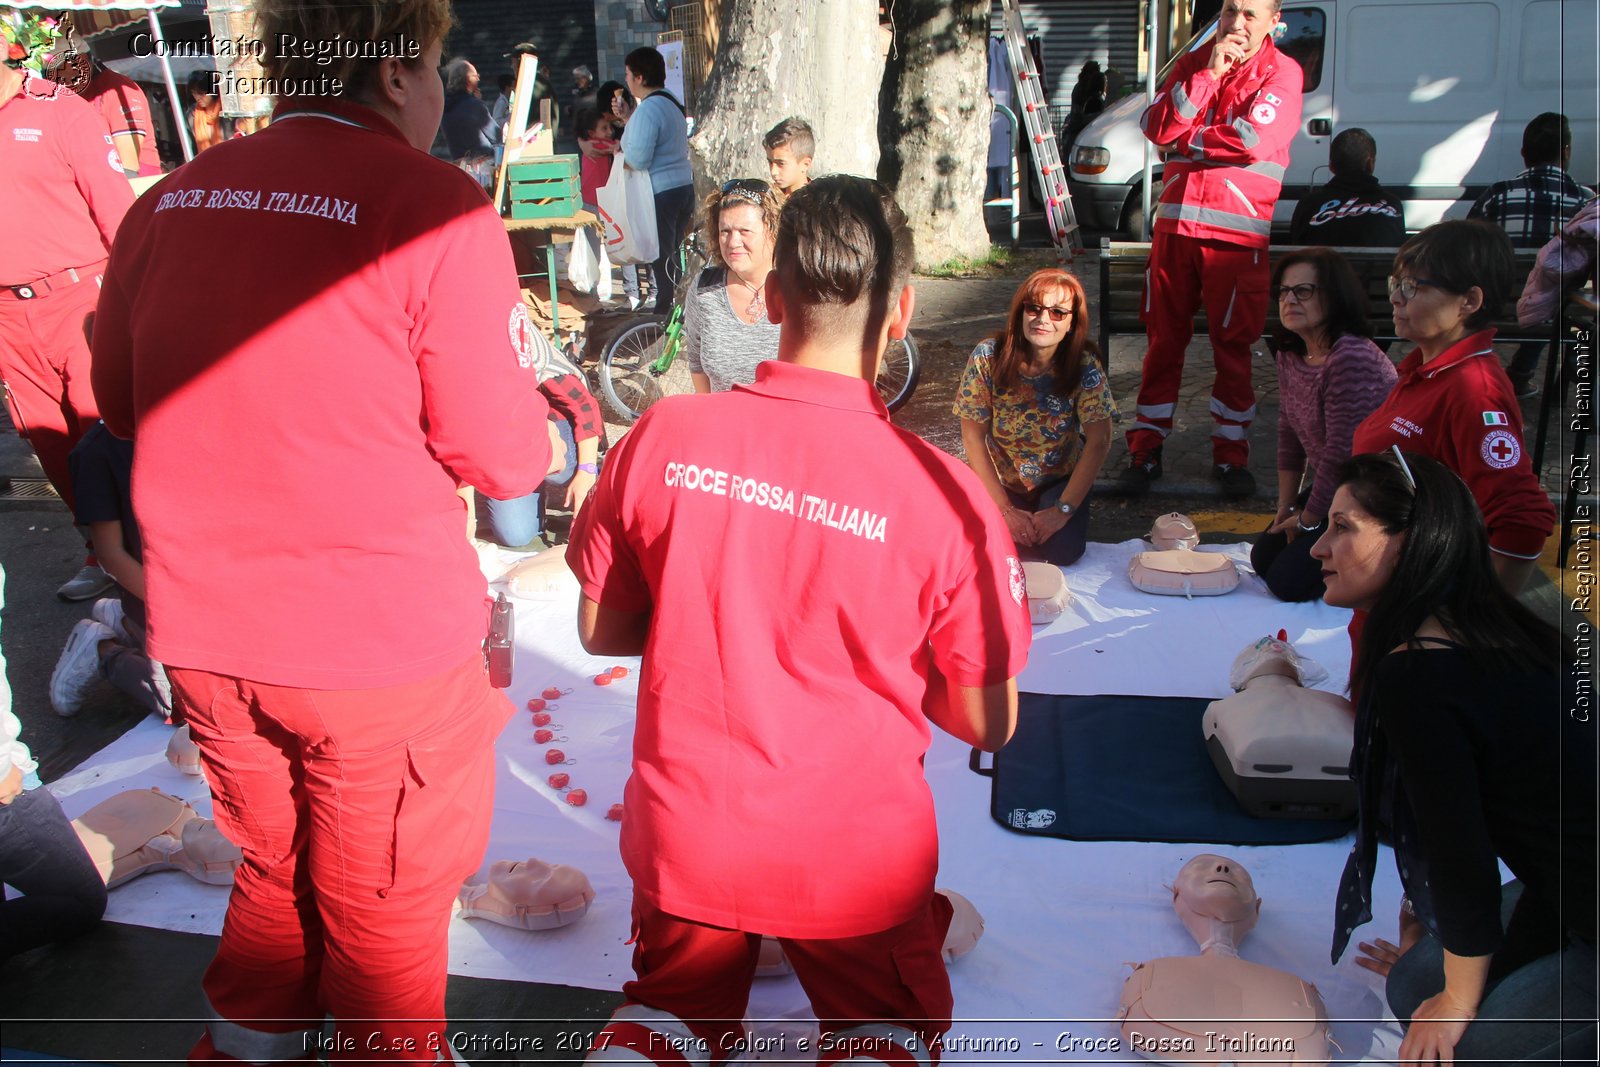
(528, 895)
(145, 830)
(1216, 1007)
(1283, 749)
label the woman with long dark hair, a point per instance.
(1466, 755)
(1036, 413)
(1330, 377)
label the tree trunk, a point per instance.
(934, 124)
(820, 60)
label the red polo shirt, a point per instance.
(810, 568)
(1460, 409)
(313, 335)
(122, 103)
(61, 184)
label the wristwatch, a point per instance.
(1065, 508)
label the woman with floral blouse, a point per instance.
(1036, 413)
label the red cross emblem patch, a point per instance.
(1500, 449)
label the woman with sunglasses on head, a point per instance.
(1465, 758)
(726, 331)
(1453, 401)
(1036, 411)
(1330, 377)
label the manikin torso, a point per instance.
(1216, 1007)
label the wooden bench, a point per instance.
(1122, 268)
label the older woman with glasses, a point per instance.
(726, 331)
(1330, 377)
(1036, 413)
(1453, 402)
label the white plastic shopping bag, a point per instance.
(627, 205)
(582, 267)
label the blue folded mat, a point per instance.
(1125, 768)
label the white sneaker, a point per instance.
(107, 611)
(87, 584)
(79, 666)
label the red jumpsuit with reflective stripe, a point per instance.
(1228, 141)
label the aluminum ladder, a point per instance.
(1034, 110)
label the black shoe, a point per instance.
(1143, 468)
(1237, 482)
(1524, 388)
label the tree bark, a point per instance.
(934, 124)
(820, 60)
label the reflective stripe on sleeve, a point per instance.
(1180, 100)
(1247, 133)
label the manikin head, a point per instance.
(1216, 900)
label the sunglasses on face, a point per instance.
(1301, 293)
(1056, 313)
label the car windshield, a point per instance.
(1197, 41)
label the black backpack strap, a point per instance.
(669, 96)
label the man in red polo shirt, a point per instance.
(810, 587)
(65, 192)
(127, 113)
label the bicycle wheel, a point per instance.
(628, 383)
(899, 372)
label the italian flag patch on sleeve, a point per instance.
(1495, 418)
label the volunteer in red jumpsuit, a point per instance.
(1224, 121)
(803, 620)
(355, 349)
(64, 194)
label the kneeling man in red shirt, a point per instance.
(810, 587)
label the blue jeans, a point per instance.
(674, 213)
(41, 857)
(1544, 1010)
(1066, 546)
(517, 522)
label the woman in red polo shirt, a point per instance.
(1453, 402)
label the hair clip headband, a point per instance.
(748, 196)
(1405, 468)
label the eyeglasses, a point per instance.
(1056, 313)
(1301, 293)
(1407, 287)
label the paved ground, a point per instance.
(118, 974)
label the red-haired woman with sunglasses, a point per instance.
(1036, 413)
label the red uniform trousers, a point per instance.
(701, 974)
(1231, 281)
(360, 813)
(44, 359)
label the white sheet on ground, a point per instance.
(1065, 920)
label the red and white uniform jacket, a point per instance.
(1231, 140)
(314, 335)
(1460, 409)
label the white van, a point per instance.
(1445, 88)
